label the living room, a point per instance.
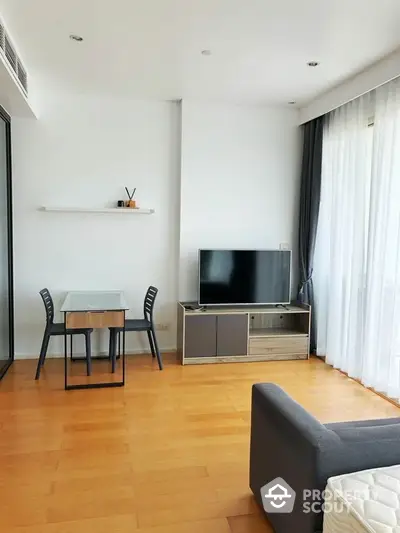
(138, 143)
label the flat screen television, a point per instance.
(242, 277)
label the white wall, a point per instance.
(82, 152)
(233, 183)
(239, 182)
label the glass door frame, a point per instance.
(6, 118)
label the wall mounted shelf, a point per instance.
(120, 210)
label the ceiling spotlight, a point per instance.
(313, 63)
(206, 52)
(77, 38)
(292, 102)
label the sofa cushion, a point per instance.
(379, 432)
(363, 423)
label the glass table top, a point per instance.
(94, 301)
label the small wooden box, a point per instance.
(94, 319)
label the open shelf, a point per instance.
(276, 332)
(120, 210)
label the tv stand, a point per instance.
(242, 334)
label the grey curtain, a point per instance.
(310, 193)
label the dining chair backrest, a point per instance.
(149, 300)
(48, 305)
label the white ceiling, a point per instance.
(152, 48)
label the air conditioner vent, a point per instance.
(2, 36)
(22, 75)
(11, 55)
(8, 50)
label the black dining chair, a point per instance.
(139, 324)
(58, 328)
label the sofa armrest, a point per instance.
(286, 443)
(292, 418)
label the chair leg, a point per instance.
(153, 352)
(115, 334)
(117, 345)
(88, 354)
(158, 355)
(110, 344)
(43, 352)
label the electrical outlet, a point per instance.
(162, 327)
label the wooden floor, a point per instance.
(166, 454)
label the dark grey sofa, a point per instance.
(288, 442)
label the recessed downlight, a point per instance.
(76, 38)
(313, 63)
(206, 52)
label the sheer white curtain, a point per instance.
(357, 259)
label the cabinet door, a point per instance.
(232, 334)
(200, 336)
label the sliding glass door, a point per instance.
(6, 256)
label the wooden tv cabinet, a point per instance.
(242, 334)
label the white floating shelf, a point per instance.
(121, 210)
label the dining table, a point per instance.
(94, 310)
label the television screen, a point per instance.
(244, 277)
